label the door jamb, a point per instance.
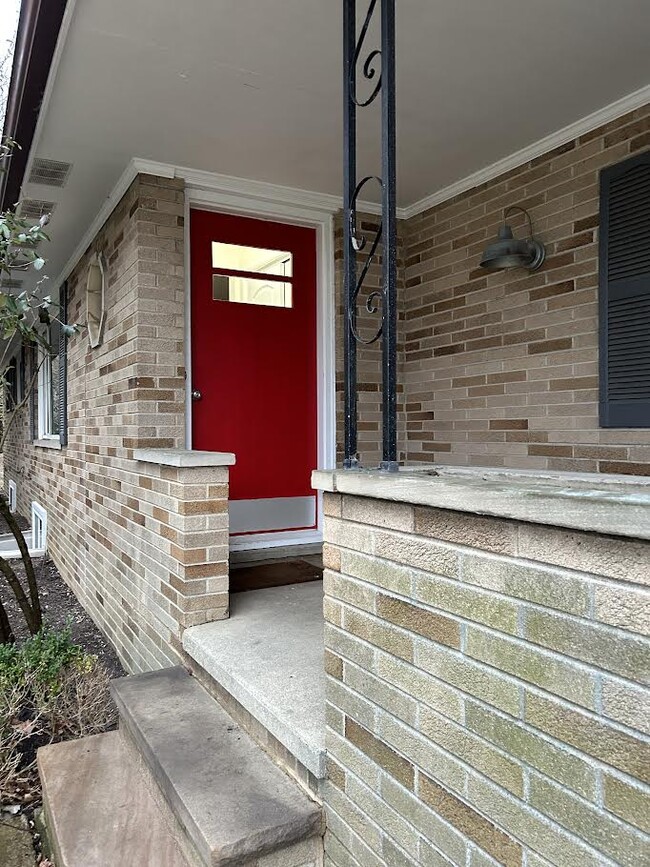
(322, 220)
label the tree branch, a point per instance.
(6, 632)
(35, 620)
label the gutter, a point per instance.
(38, 30)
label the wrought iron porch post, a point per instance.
(350, 261)
(389, 224)
(377, 68)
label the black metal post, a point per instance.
(350, 260)
(376, 66)
(389, 223)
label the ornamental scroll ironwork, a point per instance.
(374, 66)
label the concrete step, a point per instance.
(233, 802)
(277, 674)
(98, 810)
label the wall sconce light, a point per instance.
(510, 252)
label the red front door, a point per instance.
(254, 364)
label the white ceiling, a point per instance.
(252, 88)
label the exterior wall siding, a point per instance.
(501, 369)
(126, 394)
(487, 697)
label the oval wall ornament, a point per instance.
(95, 300)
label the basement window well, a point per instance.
(13, 495)
(39, 527)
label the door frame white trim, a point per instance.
(318, 216)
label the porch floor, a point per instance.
(269, 657)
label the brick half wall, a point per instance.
(487, 695)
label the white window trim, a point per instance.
(45, 439)
(13, 495)
(19, 361)
(39, 527)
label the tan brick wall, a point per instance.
(501, 369)
(487, 697)
(108, 534)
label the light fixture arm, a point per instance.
(512, 208)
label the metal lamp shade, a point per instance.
(510, 252)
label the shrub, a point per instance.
(50, 690)
(41, 658)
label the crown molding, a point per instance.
(231, 186)
(592, 121)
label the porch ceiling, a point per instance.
(253, 89)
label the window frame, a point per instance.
(43, 412)
(45, 396)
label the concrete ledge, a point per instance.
(614, 505)
(184, 458)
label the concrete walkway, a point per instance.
(269, 657)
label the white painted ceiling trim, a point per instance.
(261, 191)
(604, 115)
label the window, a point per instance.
(624, 289)
(49, 400)
(11, 385)
(48, 386)
(252, 275)
(21, 370)
(13, 495)
(15, 381)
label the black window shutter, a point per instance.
(63, 367)
(624, 293)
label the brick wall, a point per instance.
(104, 534)
(485, 700)
(501, 369)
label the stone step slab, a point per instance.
(233, 802)
(98, 810)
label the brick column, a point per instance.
(184, 499)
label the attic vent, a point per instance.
(33, 209)
(9, 283)
(50, 173)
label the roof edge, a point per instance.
(39, 25)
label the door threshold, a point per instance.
(286, 552)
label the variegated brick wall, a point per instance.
(501, 369)
(487, 691)
(108, 531)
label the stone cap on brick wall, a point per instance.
(615, 505)
(184, 458)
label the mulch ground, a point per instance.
(60, 610)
